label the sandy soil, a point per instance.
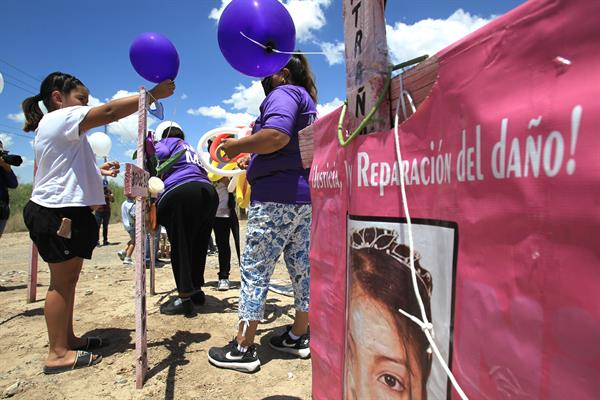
(177, 346)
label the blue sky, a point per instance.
(92, 42)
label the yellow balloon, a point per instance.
(215, 177)
(242, 191)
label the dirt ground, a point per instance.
(177, 345)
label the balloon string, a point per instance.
(268, 48)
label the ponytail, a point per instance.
(32, 111)
(60, 81)
(302, 74)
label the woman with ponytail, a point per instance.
(67, 185)
(279, 216)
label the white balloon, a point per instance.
(155, 185)
(1, 82)
(232, 184)
(204, 156)
(100, 143)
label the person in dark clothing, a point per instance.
(103, 214)
(226, 221)
(8, 180)
(186, 208)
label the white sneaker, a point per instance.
(127, 261)
(223, 284)
(121, 255)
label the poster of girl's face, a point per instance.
(387, 355)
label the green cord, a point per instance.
(346, 141)
(366, 120)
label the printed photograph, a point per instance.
(388, 356)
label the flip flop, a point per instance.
(93, 342)
(82, 359)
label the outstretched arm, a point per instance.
(119, 108)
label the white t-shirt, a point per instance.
(128, 215)
(223, 209)
(67, 175)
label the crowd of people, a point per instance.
(68, 190)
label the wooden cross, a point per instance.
(136, 185)
(367, 64)
(367, 70)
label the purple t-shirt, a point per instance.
(186, 169)
(279, 176)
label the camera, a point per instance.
(10, 159)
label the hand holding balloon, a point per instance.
(229, 146)
(243, 162)
(217, 150)
(214, 166)
(111, 168)
(162, 90)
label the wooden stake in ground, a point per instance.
(33, 263)
(136, 184)
(32, 275)
(152, 251)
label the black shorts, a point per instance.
(43, 223)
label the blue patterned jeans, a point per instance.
(274, 228)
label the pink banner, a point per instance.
(501, 173)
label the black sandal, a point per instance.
(93, 342)
(82, 359)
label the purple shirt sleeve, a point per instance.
(162, 150)
(279, 111)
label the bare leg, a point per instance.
(74, 341)
(58, 310)
(247, 338)
(300, 326)
(130, 248)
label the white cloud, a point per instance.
(126, 128)
(334, 52)
(429, 36)
(215, 13)
(184, 96)
(324, 109)
(6, 140)
(247, 98)
(94, 102)
(308, 15)
(27, 162)
(18, 117)
(129, 154)
(218, 112)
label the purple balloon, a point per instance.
(265, 21)
(154, 57)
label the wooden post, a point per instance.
(32, 275)
(367, 69)
(367, 64)
(152, 263)
(33, 262)
(136, 184)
